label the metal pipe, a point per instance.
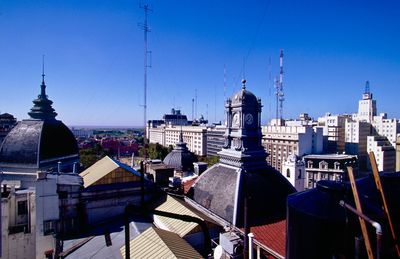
(250, 235)
(127, 233)
(376, 225)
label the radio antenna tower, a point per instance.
(281, 94)
(145, 27)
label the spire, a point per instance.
(243, 84)
(43, 85)
(42, 108)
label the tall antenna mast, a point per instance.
(146, 29)
(367, 90)
(281, 94)
(224, 83)
(195, 97)
(192, 109)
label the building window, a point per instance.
(323, 165)
(310, 164)
(49, 227)
(288, 172)
(299, 176)
(22, 207)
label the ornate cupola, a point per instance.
(42, 109)
(243, 135)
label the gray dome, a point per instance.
(180, 157)
(220, 189)
(244, 97)
(38, 142)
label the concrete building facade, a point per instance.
(328, 167)
(215, 139)
(385, 154)
(333, 132)
(398, 154)
(194, 136)
(294, 171)
(388, 128)
(282, 141)
(356, 140)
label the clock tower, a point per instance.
(242, 147)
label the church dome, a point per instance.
(39, 142)
(180, 157)
(244, 97)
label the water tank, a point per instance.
(318, 227)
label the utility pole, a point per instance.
(144, 26)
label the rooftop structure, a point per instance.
(180, 157)
(223, 189)
(38, 143)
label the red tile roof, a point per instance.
(187, 184)
(272, 235)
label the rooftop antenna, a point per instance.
(269, 88)
(224, 82)
(195, 97)
(367, 90)
(146, 29)
(192, 109)
(281, 94)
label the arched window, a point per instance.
(299, 176)
(288, 172)
(310, 164)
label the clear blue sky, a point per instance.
(94, 56)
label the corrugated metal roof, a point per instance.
(101, 168)
(177, 226)
(158, 243)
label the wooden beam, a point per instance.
(378, 183)
(359, 209)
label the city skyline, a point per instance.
(94, 57)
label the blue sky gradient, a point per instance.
(94, 56)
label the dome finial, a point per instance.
(243, 83)
(43, 85)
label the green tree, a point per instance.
(210, 160)
(155, 151)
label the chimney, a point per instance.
(59, 167)
(74, 168)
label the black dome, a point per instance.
(180, 157)
(38, 142)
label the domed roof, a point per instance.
(41, 141)
(180, 157)
(37, 141)
(222, 188)
(244, 96)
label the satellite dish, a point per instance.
(218, 252)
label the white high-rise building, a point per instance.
(385, 154)
(334, 132)
(366, 106)
(356, 140)
(282, 141)
(388, 128)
